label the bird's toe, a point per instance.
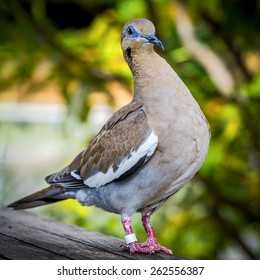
(146, 248)
(155, 246)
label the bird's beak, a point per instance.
(153, 40)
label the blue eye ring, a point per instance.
(130, 32)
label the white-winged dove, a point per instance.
(145, 152)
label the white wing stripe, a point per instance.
(75, 175)
(146, 149)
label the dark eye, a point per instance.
(129, 31)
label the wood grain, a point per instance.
(25, 236)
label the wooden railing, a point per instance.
(26, 236)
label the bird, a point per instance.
(145, 153)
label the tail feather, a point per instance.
(46, 196)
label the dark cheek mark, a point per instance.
(128, 52)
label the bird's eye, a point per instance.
(129, 31)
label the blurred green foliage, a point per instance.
(217, 215)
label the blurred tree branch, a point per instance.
(210, 61)
(229, 44)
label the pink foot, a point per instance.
(151, 246)
(148, 247)
(138, 248)
(154, 246)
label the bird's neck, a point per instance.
(143, 64)
(157, 85)
(150, 72)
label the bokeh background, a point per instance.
(62, 74)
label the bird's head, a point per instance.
(139, 34)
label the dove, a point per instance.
(145, 153)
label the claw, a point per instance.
(155, 246)
(147, 247)
(137, 248)
(151, 246)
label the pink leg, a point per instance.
(132, 247)
(150, 246)
(152, 242)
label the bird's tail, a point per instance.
(46, 196)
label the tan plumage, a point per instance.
(146, 151)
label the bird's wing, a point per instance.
(124, 144)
